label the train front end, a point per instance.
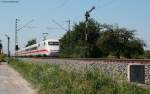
(53, 48)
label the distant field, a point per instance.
(52, 79)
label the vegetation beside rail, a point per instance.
(101, 41)
(51, 79)
(2, 57)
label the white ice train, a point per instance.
(49, 47)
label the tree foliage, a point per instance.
(31, 42)
(121, 42)
(73, 44)
(103, 40)
(146, 54)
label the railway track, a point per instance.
(142, 61)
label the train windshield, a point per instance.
(53, 43)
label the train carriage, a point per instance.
(49, 47)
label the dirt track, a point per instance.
(12, 83)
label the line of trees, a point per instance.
(103, 41)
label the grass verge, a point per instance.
(51, 79)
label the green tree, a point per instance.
(102, 40)
(73, 44)
(120, 42)
(134, 48)
(147, 54)
(31, 42)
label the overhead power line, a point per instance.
(106, 4)
(64, 3)
(18, 29)
(59, 25)
(26, 25)
(9, 1)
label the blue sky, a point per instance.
(132, 14)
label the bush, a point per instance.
(147, 54)
(2, 57)
(51, 79)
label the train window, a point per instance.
(53, 43)
(34, 48)
(29, 49)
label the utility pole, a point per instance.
(69, 30)
(87, 15)
(8, 45)
(16, 37)
(69, 25)
(1, 46)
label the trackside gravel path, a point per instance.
(12, 83)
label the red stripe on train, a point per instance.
(34, 51)
(37, 51)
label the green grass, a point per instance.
(51, 79)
